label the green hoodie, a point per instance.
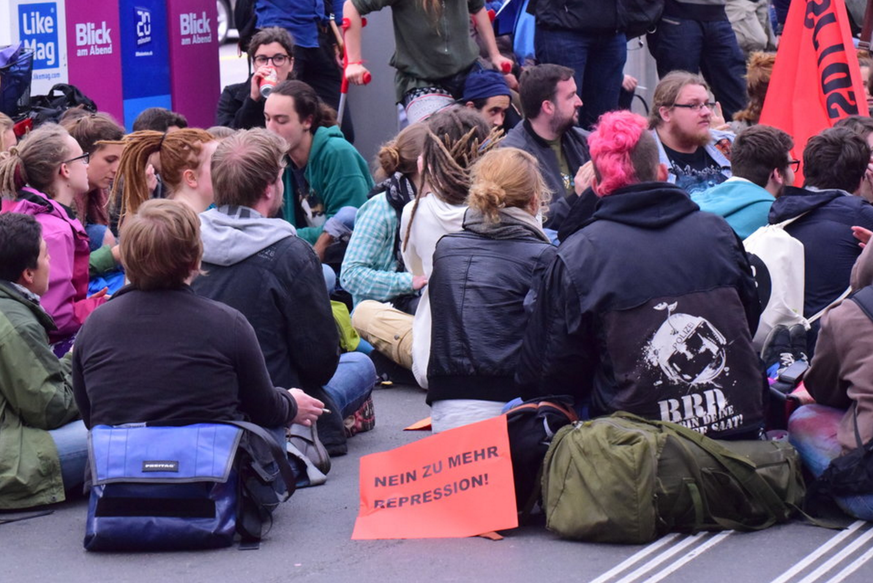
(337, 176)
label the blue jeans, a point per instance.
(812, 430)
(598, 61)
(71, 441)
(352, 382)
(703, 47)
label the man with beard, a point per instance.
(649, 307)
(550, 106)
(697, 157)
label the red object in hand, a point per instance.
(506, 68)
(367, 78)
(492, 15)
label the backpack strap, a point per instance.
(279, 453)
(842, 296)
(740, 468)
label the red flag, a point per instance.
(816, 79)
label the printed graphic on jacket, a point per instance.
(687, 360)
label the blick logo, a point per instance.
(96, 41)
(195, 29)
(39, 32)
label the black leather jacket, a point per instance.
(481, 277)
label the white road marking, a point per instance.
(852, 567)
(838, 558)
(636, 557)
(670, 569)
(662, 557)
(811, 558)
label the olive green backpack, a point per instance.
(624, 479)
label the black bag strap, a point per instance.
(280, 454)
(743, 470)
(864, 299)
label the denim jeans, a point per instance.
(812, 430)
(352, 382)
(71, 441)
(598, 62)
(710, 48)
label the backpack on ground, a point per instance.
(531, 427)
(183, 487)
(624, 479)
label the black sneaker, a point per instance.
(797, 334)
(777, 349)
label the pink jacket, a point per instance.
(66, 300)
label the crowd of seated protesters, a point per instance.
(638, 296)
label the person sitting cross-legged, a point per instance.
(160, 352)
(650, 307)
(43, 446)
(259, 266)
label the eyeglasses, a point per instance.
(794, 165)
(696, 106)
(278, 60)
(84, 158)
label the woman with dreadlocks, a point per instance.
(183, 159)
(457, 137)
(44, 174)
(456, 140)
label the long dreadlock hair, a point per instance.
(457, 137)
(178, 151)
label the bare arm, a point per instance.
(486, 33)
(355, 69)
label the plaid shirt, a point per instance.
(369, 270)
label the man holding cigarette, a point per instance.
(259, 266)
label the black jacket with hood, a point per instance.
(260, 267)
(829, 248)
(649, 309)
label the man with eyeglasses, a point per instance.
(762, 167)
(697, 157)
(241, 106)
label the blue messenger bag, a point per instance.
(156, 488)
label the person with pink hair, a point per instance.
(650, 306)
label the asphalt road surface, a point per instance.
(311, 541)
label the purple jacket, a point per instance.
(66, 300)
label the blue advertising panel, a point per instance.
(145, 59)
(41, 27)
